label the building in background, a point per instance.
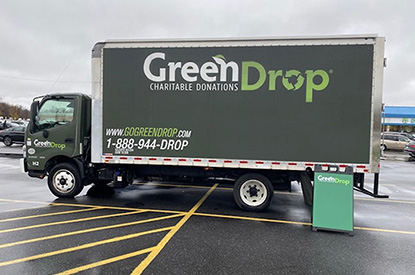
(398, 119)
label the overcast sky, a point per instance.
(42, 41)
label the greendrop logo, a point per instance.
(48, 144)
(333, 180)
(218, 71)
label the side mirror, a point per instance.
(33, 115)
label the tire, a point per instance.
(253, 192)
(64, 180)
(8, 141)
(383, 147)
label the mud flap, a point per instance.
(307, 188)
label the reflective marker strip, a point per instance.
(229, 163)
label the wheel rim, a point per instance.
(64, 181)
(253, 192)
(8, 141)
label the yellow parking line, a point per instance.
(298, 223)
(275, 192)
(72, 204)
(89, 230)
(250, 219)
(70, 221)
(107, 261)
(224, 216)
(49, 214)
(119, 208)
(84, 246)
(143, 265)
(384, 230)
(179, 212)
(106, 207)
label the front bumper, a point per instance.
(23, 165)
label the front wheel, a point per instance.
(64, 180)
(253, 192)
(8, 141)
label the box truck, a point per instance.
(256, 111)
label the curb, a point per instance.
(396, 158)
(11, 155)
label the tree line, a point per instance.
(13, 111)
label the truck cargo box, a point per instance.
(285, 103)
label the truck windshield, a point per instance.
(55, 112)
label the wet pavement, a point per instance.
(14, 151)
(183, 228)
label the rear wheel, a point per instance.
(383, 147)
(253, 192)
(8, 141)
(64, 180)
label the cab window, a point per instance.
(55, 112)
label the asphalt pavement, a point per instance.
(196, 228)
(14, 151)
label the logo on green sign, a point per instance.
(224, 72)
(292, 80)
(331, 179)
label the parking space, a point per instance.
(95, 236)
(196, 228)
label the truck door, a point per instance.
(54, 132)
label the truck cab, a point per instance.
(57, 141)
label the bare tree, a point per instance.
(13, 111)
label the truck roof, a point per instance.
(61, 94)
(320, 37)
(227, 41)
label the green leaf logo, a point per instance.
(219, 56)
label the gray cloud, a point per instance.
(40, 38)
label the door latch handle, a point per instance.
(69, 140)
